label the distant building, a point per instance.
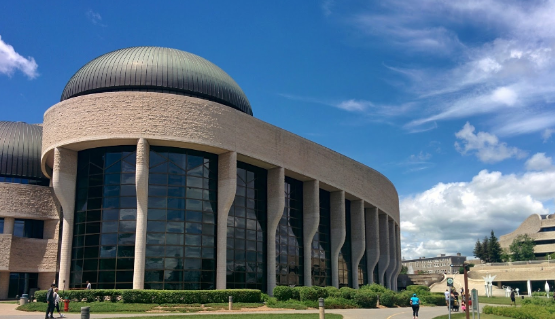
(541, 228)
(435, 265)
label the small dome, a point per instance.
(20, 148)
(155, 69)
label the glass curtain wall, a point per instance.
(321, 245)
(28, 228)
(105, 218)
(345, 263)
(181, 229)
(246, 230)
(22, 283)
(289, 237)
(20, 180)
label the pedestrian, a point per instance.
(88, 285)
(513, 297)
(50, 302)
(463, 306)
(57, 301)
(447, 295)
(415, 304)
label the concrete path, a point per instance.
(8, 310)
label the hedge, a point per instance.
(283, 293)
(158, 296)
(347, 293)
(366, 299)
(524, 312)
(438, 300)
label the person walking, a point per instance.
(415, 304)
(57, 301)
(50, 302)
(88, 285)
(513, 297)
(447, 295)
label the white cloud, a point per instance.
(450, 217)
(354, 105)
(539, 162)
(420, 157)
(485, 146)
(546, 135)
(10, 61)
(95, 18)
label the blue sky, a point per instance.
(451, 100)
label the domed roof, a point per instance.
(156, 69)
(20, 148)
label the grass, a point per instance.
(463, 316)
(498, 300)
(119, 307)
(248, 316)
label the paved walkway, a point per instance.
(8, 310)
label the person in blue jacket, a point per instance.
(415, 304)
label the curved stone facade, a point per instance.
(540, 228)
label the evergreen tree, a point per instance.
(485, 250)
(494, 249)
(522, 248)
(478, 251)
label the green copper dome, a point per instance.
(156, 69)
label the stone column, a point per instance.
(311, 220)
(372, 241)
(358, 238)
(227, 187)
(392, 265)
(8, 225)
(141, 184)
(383, 262)
(338, 232)
(4, 283)
(276, 204)
(64, 179)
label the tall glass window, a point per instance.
(105, 218)
(1, 225)
(321, 247)
(20, 180)
(28, 228)
(363, 271)
(345, 263)
(246, 230)
(22, 283)
(181, 230)
(289, 237)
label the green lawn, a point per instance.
(251, 316)
(119, 307)
(463, 316)
(498, 300)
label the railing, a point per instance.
(515, 263)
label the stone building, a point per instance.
(435, 265)
(167, 181)
(541, 228)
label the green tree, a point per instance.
(506, 255)
(494, 249)
(485, 250)
(522, 248)
(404, 270)
(478, 251)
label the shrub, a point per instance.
(283, 293)
(296, 293)
(321, 292)
(403, 299)
(374, 288)
(308, 294)
(190, 296)
(332, 291)
(433, 299)
(347, 293)
(339, 303)
(264, 297)
(84, 295)
(366, 299)
(387, 299)
(524, 312)
(419, 290)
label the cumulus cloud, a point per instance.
(10, 61)
(485, 146)
(450, 217)
(539, 162)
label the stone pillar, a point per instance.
(338, 232)
(372, 241)
(8, 225)
(227, 187)
(311, 220)
(64, 179)
(358, 238)
(392, 265)
(141, 184)
(276, 204)
(4, 283)
(383, 262)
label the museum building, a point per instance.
(152, 173)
